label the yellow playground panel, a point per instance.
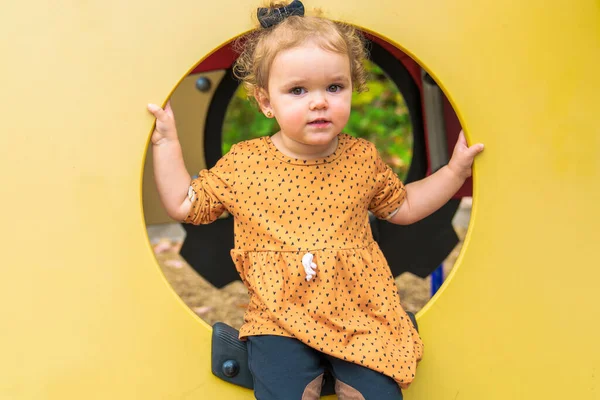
(85, 310)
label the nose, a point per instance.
(318, 101)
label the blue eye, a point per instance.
(297, 91)
(334, 88)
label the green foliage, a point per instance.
(379, 115)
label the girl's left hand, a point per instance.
(463, 156)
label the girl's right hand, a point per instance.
(164, 129)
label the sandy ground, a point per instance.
(228, 304)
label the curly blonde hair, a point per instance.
(258, 49)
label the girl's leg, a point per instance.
(284, 368)
(355, 382)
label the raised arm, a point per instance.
(427, 195)
(171, 177)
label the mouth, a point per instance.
(319, 122)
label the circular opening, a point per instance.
(212, 114)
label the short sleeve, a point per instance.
(389, 191)
(212, 191)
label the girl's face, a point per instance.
(310, 91)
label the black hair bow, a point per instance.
(269, 17)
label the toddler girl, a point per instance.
(321, 292)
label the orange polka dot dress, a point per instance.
(285, 208)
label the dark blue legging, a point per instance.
(284, 368)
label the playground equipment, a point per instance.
(86, 311)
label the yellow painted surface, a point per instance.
(85, 310)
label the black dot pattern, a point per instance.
(285, 207)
